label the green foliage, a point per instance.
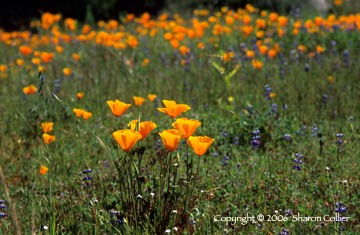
(232, 179)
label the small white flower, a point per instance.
(276, 212)
(45, 227)
(247, 209)
(174, 211)
(96, 201)
(327, 168)
(139, 196)
(125, 221)
(167, 231)
(344, 181)
(175, 228)
(152, 194)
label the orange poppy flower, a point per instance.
(337, 2)
(201, 45)
(151, 97)
(180, 36)
(318, 20)
(87, 115)
(174, 43)
(168, 36)
(263, 49)
(260, 34)
(47, 57)
(59, 49)
(311, 54)
(2, 68)
(25, 50)
(297, 24)
(132, 41)
(47, 127)
(36, 61)
(186, 127)
(145, 128)
(36, 53)
(282, 20)
(20, 62)
(138, 100)
(173, 109)
(295, 32)
(331, 79)
(171, 139)
(273, 16)
(117, 107)
(76, 56)
(29, 90)
(79, 112)
(257, 64)
(86, 29)
(191, 33)
(40, 68)
(200, 144)
(48, 138)
(212, 19)
(272, 53)
(43, 170)
(247, 30)
(272, 95)
(301, 48)
(66, 71)
(319, 49)
(130, 17)
(80, 95)
(250, 54)
(184, 50)
(126, 138)
(247, 19)
(229, 20)
(145, 62)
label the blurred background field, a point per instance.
(273, 83)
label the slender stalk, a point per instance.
(187, 162)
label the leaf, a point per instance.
(69, 171)
(178, 156)
(57, 98)
(32, 110)
(40, 89)
(136, 170)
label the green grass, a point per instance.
(265, 182)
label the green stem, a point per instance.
(187, 162)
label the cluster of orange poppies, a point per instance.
(82, 113)
(184, 128)
(177, 31)
(47, 128)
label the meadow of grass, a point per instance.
(277, 96)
